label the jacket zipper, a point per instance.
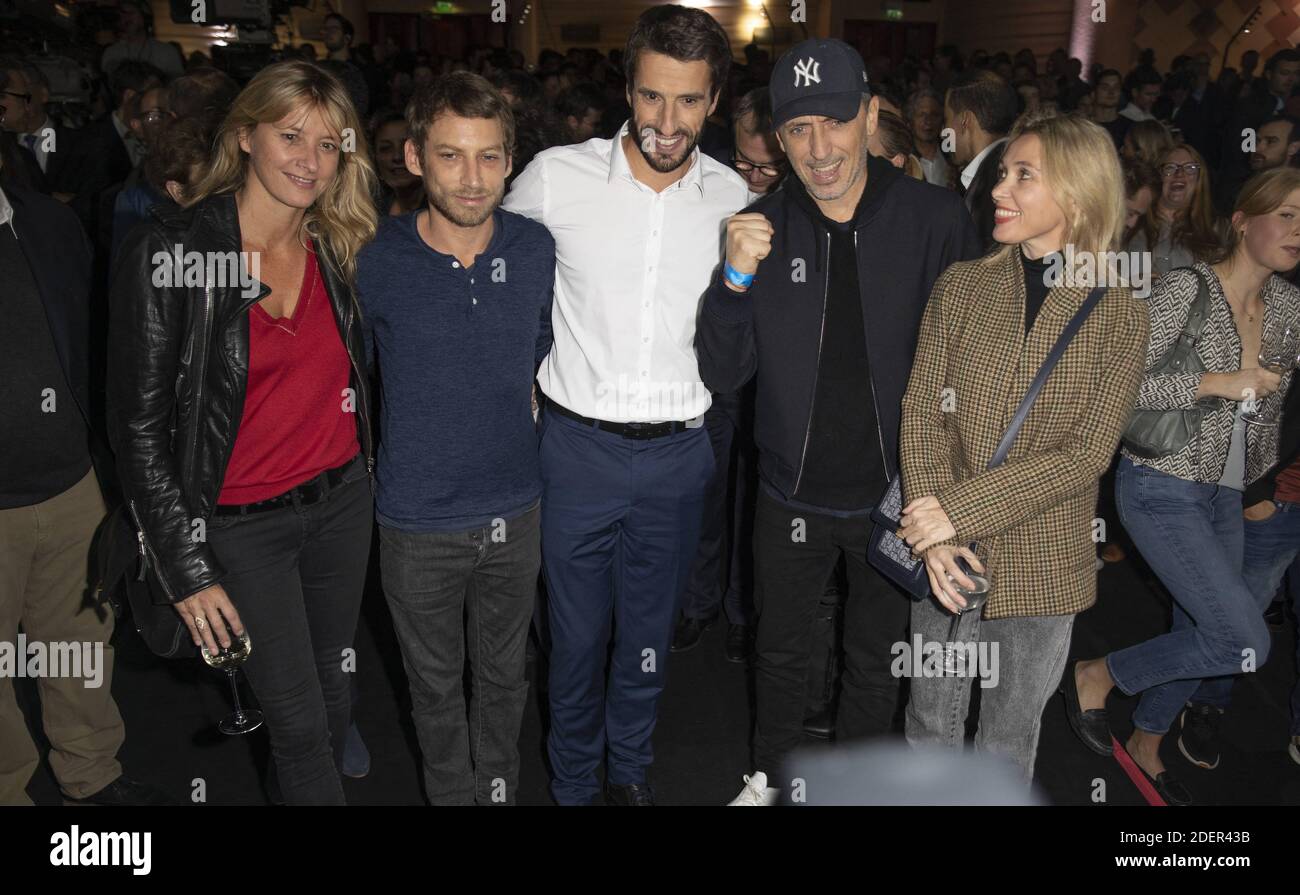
(147, 552)
(826, 285)
(200, 373)
(871, 380)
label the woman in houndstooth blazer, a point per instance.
(987, 329)
(1184, 510)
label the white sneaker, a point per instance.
(1293, 750)
(756, 793)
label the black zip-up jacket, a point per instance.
(907, 233)
(177, 377)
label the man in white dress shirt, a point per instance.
(638, 223)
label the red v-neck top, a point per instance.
(299, 412)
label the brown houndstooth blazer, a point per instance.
(1032, 517)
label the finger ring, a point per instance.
(200, 622)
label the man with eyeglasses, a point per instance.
(757, 157)
(24, 92)
(147, 122)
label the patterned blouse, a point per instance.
(1219, 348)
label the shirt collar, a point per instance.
(618, 166)
(968, 173)
(7, 213)
(38, 132)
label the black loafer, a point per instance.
(1091, 726)
(820, 725)
(740, 643)
(689, 631)
(1173, 792)
(634, 794)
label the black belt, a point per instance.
(311, 491)
(627, 430)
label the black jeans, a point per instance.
(295, 576)
(794, 553)
(721, 573)
(448, 591)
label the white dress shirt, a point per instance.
(973, 167)
(631, 268)
(935, 169)
(1133, 113)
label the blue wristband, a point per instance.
(736, 277)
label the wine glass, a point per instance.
(228, 660)
(1279, 347)
(953, 656)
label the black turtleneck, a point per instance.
(1035, 286)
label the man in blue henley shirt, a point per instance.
(456, 303)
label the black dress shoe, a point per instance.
(1171, 790)
(1090, 726)
(125, 791)
(740, 643)
(1275, 615)
(689, 631)
(820, 725)
(631, 794)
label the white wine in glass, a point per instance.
(228, 660)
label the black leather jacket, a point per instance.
(177, 376)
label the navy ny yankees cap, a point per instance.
(819, 76)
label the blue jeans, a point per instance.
(1191, 534)
(1272, 545)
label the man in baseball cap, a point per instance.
(820, 76)
(821, 296)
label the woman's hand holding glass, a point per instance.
(946, 574)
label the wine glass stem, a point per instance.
(234, 691)
(950, 657)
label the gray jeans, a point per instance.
(1025, 657)
(453, 593)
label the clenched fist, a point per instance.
(749, 241)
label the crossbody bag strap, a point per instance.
(1062, 342)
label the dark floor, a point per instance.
(701, 742)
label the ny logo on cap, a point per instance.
(807, 70)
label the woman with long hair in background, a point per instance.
(1179, 230)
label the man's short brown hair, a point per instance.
(459, 93)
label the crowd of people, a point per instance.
(604, 349)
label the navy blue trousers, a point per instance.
(620, 527)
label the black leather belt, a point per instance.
(311, 491)
(627, 430)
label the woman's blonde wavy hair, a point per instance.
(344, 216)
(1081, 169)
